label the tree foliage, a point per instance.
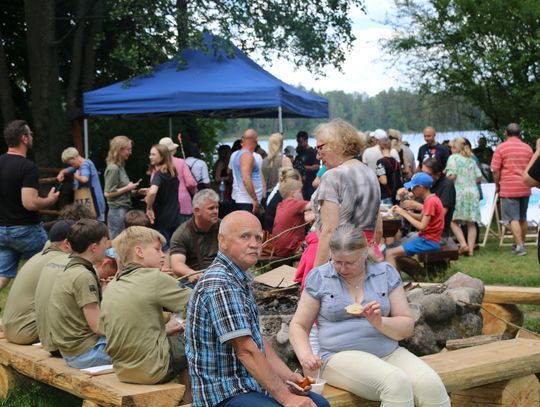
(487, 51)
(53, 51)
(401, 109)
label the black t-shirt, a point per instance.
(390, 167)
(270, 212)
(305, 157)
(166, 206)
(438, 151)
(534, 171)
(446, 191)
(16, 172)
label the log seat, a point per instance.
(100, 390)
(447, 252)
(495, 370)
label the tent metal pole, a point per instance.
(280, 119)
(170, 127)
(86, 148)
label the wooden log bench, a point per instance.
(447, 252)
(496, 374)
(100, 390)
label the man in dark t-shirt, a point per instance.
(432, 149)
(21, 232)
(306, 163)
(194, 245)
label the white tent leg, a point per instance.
(280, 119)
(86, 147)
(170, 127)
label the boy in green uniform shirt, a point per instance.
(143, 349)
(19, 318)
(74, 303)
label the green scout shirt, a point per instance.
(132, 320)
(75, 287)
(207, 242)
(42, 295)
(116, 178)
(19, 318)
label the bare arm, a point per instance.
(530, 181)
(33, 202)
(418, 224)
(121, 191)
(399, 325)
(259, 367)
(180, 268)
(383, 179)
(91, 314)
(247, 162)
(330, 220)
(299, 328)
(150, 199)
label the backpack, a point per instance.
(200, 184)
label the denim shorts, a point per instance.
(115, 221)
(94, 357)
(18, 242)
(514, 208)
(420, 245)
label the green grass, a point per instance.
(492, 264)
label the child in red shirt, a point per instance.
(430, 222)
(289, 214)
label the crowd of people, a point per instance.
(171, 295)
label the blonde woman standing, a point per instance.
(162, 207)
(118, 187)
(274, 162)
(466, 175)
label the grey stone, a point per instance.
(463, 296)
(422, 342)
(437, 307)
(463, 280)
(417, 313)
(470, 324)
(448, 330)
(415, 294)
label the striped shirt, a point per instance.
(221, 308)
(510, 160)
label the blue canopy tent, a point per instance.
(208, 85)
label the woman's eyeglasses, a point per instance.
(320, 147)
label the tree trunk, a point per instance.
(95, 29)
(49, 121)
(76, 56)
(182, 23)
(7, 105)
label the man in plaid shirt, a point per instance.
(230, 363)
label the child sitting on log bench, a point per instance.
(143, 349)
(76, 295)
(430, 222)
(19, 318)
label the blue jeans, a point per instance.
(94, 357)
(115, 221)
(254, 398)
(16, 242)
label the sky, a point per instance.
(363, 70)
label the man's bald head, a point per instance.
(429, 136)
(249, 139)
(240, 238)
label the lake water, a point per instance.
(415, 140)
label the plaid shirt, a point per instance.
(221, 308)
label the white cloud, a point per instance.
(364, 71)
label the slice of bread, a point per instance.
(354, 309)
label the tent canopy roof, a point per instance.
(210, 85)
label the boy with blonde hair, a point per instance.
(142, 348)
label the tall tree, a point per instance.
(52, 51)
(487, 51)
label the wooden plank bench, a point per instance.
(483, 372)
(448, 251)
(102, 390)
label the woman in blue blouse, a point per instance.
(360, 353)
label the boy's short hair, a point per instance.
(126, 241)
(287, 187)
(76, 211)
(86, 232)
(69, 153)
(136, 217)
